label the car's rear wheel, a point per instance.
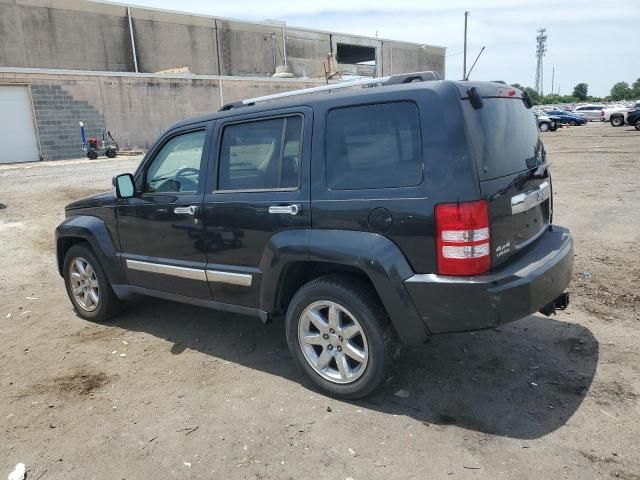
(87, 285)
(340, 335)
(637, 124)
(544, 126)
(617, 121)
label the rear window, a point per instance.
(505, 138)
(373, 146)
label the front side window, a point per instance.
(373, 146)
(261, 155)
(176, 167)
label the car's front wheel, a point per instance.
(544, 126)
(637, 124)
(340, 335)
(87, 285)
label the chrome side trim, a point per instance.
(241, 279)
(524, 201)
(182, 272)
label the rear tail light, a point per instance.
(462, 238)
(602, 113)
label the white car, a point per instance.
(590, 112)
(616, 114)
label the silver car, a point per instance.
(590, 112)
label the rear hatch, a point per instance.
(511, 165)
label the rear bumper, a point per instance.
(456, 304)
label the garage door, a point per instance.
(18, 141)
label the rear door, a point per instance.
(511, 165)
(259, 187)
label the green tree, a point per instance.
(517, 85)
(635, 89)
(580, 91)
(621, 91)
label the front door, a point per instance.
(160, 229)
(259, 188)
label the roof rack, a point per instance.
(369, 82)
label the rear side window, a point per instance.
(373, 146)
(261, 155)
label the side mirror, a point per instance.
(124, 186)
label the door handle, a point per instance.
(286, 209)
(191, 210)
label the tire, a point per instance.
(553, 127)
(111, 153)
(617, 121)
(637, 124)
(92, 154)
(544, 126)
(360, 311)
(107, 304)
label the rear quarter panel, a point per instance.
(448, 176)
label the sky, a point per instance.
(591, 41)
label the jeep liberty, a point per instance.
(366, 214)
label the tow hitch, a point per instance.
(560, 303)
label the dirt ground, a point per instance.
(174, 391)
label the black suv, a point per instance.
(398, 210)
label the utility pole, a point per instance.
(464, 64)
(553, 76)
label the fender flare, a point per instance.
(375, 255)
(95, 232)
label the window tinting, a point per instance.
(505, 138)
(373, 146)
(259, 155)
(176, 167)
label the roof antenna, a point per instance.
(474, 64)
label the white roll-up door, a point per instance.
(18, 141)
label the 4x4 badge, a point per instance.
(502, 249)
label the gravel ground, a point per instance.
(174, 391)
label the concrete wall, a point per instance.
(42, 34)
(165, 41)
(135, 108)
(401, 57)
(84, 35)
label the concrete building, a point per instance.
(135, 71)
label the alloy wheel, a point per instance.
(333, 342)
(84, 284)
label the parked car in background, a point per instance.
(633, 118)
(590, 112)
(616, 114)
(545, 123)
(568, 118)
